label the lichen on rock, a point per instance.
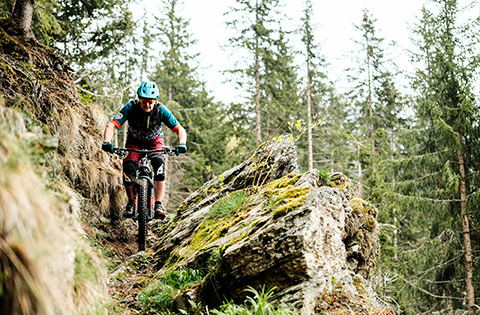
(309, 238)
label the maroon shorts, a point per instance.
(156, 143)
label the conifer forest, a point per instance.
(408, 137)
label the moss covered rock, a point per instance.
(264, 227)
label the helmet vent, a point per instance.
(148, 89)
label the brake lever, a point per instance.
(120, 152)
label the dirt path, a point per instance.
(130, 270)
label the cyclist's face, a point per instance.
(147, 104)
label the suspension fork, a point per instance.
(144, 172)
(151, 183)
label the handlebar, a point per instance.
(163, 150)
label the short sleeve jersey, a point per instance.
(145, 126)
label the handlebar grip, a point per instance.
(119, 151)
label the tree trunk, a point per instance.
(258, 113)
(309, 114)
(360, 175)
(369, 100)
(466, 233)
(21, 19)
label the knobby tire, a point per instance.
(142, 213)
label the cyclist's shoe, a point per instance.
(159, 211)
(129, 209)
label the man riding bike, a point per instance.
(145, 117)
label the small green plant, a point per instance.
(182, 278)
(227, 205)
(323, 177)
(258, 304)
(159, 296)
(85, 97)
(219, 180)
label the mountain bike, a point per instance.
(143, 189)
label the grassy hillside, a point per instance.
(54, 182)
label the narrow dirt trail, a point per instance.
(130, 271)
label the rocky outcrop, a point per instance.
(262, 224)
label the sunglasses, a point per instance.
(147, 100)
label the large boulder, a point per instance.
(262, 224)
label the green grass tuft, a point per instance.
(159, 297)
(259, 302)
(227, 205)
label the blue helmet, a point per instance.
(148, 89)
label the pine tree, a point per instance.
(83, 30)
(334, 148)
(308, 41)
(313, 60)
(175, 69)
(447, 105)
(279, 86)
(20, 21)
(436, 182)
(260, 38)
(377, 103)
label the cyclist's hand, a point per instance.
(107, 147)
(181, 148)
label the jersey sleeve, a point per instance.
(168, 119)
(122, 116)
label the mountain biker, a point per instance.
(145, 117)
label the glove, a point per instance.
(181, 148)
(107, 147)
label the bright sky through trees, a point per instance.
(335, 22)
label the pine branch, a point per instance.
(444, 281)
(414, 157)
(417, 198)
(446, 263)
(428, 292)
(419, 178)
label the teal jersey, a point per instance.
(145, 126)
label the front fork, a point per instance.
(151, 213)
(135, 201)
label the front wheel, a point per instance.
(143, 206)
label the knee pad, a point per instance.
(129, 169)
(158, 163)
